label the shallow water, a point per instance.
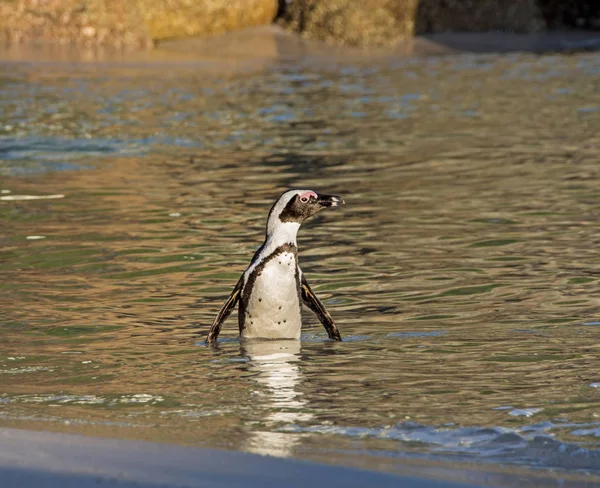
(463, 272)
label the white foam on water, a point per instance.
(29, 369)
(30, 197)
(524, 412)
(52, 399)
(531, 445)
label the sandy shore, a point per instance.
(31, 459)
(272, 43)
(499, 42)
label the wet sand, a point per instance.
(270, 43)
(42, 459)
(499, 42)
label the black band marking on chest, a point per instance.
(249, 286)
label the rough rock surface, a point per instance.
(136, 24)
(90, 23)
(574, 13)
(479, 16)
(176, 19)
(352, 22)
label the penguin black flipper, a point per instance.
(312, 302)
(225, 311)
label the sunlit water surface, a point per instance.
(464, 271)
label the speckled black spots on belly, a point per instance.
(251, 281)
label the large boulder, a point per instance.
(176, 19)
(479, 16)
(352, 22)
(131, 23)
(93, 22)
(572, 14)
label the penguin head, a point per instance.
(295, 206)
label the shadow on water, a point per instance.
(462, 271)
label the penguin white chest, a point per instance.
(273, 308)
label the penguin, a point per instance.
(273, 288)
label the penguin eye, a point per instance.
(304, 199)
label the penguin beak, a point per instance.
(330, 201)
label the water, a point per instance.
(463, 271)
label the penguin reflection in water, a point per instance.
(273, 288)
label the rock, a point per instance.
(91, 23)
(573, 14)
(352, 22)
(176, 19)
(479, 16)
(127, 23)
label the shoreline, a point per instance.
(36, 457)
(272, 43)
(31, 459)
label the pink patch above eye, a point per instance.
(306, 195)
